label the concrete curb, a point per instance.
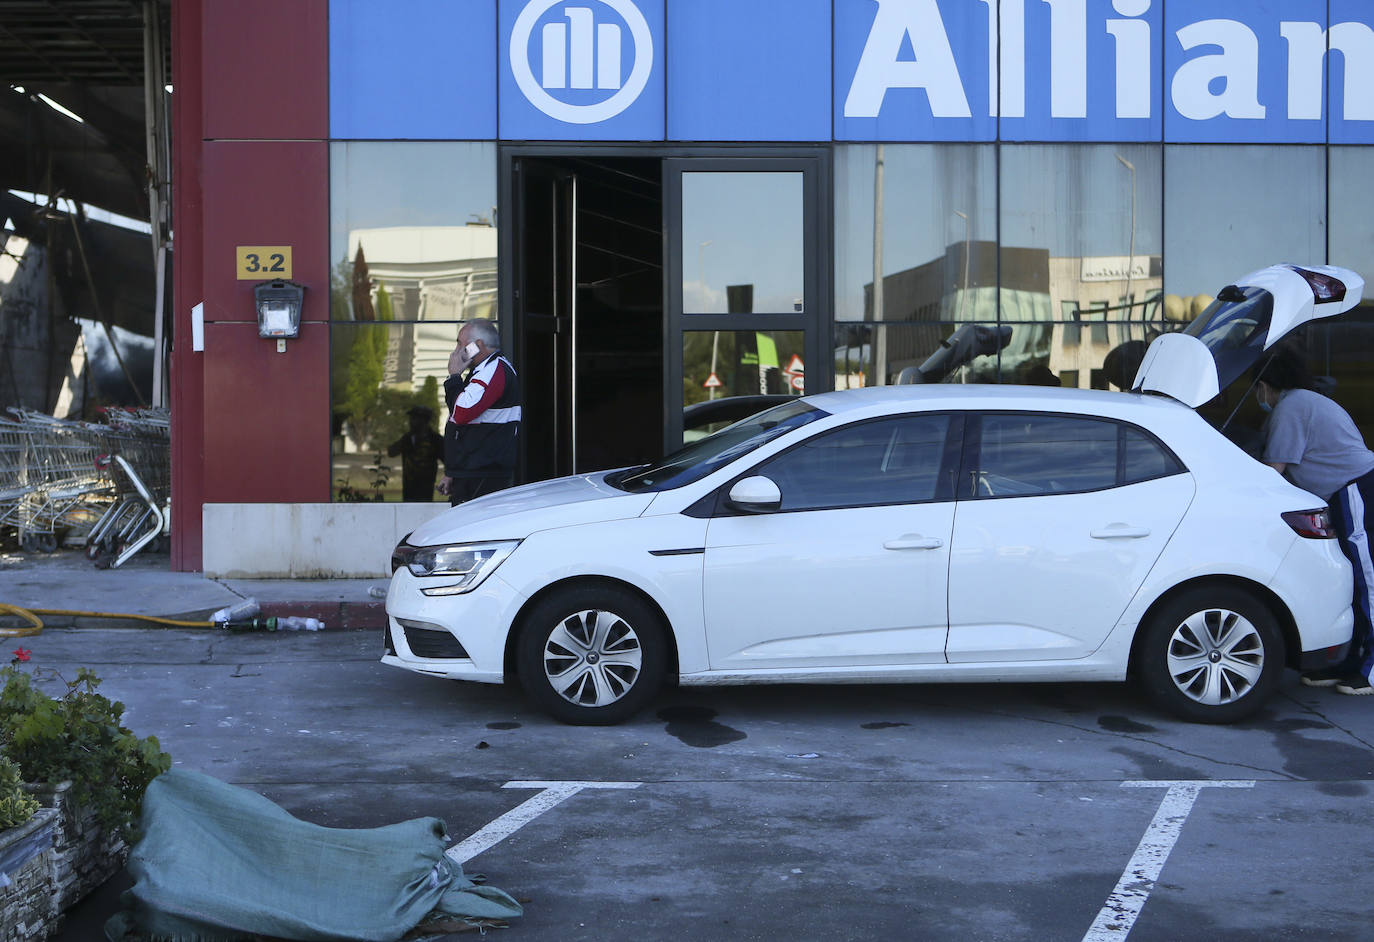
(337, 616)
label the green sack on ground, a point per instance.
(218, 863)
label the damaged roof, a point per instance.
(88, 57)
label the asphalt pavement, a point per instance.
(1015, 812)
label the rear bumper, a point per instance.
(1324, 657)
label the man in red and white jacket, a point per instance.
(481, 437)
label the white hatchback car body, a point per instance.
(910, 533)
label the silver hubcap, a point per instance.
(592, 658)
(1215, 656)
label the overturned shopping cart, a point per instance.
(139, 468)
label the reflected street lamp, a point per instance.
(1130, 259)
(964, 292)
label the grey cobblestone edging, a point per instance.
(79, 857)
(27, 860)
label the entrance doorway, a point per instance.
(589, 311)
(641, 282)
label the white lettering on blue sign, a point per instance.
(1223, 78)
(933, 69)
(580, 53)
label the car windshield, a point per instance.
(1234, 328)
(700, 458)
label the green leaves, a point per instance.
(16, 805)
(78, 737)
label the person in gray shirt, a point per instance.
(1315, 444)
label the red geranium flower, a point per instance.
(21, 655)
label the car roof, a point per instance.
(993, 396)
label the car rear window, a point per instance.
(1234, 328)
(1029, 454)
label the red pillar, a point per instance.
(250, 128)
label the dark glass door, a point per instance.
(588, 309)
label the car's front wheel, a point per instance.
(1212, 654)
(592, 654)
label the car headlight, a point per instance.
(470, 563)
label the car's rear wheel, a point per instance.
(1212, 654)
(592, 654)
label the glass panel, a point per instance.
(743, 238)
(721, 368)
(1343, 347)
(412, 231)
(892, 461)
(1228, 216)
(1081, 247)
(868, 354)
(1235, 209)
(924, 216)
(387, 402)
(1023, 455)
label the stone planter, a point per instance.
(78, 858)
(26, 862)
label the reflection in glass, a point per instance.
(1225, 218)
(1081, 259)
(723, 364)
(923, 215)
(1343, 347)
(1029, 354)
(412, 231)
(380, 375)
(742, 243)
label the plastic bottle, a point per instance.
(239, 611)
(298, 623)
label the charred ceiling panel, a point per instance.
(88, 57)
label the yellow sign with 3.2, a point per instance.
(262, 262)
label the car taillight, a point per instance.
(1324, 288)
(1313, 524)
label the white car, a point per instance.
(910, 533)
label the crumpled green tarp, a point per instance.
(218, 863)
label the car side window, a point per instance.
(1027, 454)
(887, 461)
(1146, 459)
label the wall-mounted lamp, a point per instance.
(279, 306)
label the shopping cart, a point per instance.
(139, 466)
(49, 477)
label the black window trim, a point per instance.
(973, 442)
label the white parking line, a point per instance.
(1117, 917)
(550, 795)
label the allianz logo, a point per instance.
(581, 48)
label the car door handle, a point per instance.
(914, 541)
(1120, 531)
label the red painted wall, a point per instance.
(266, 414)
(251, 114)
(266, 67)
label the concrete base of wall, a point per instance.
(306, 541)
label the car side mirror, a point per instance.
(755, 495)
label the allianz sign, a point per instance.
(1100, 60)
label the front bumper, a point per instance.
(458, 637)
